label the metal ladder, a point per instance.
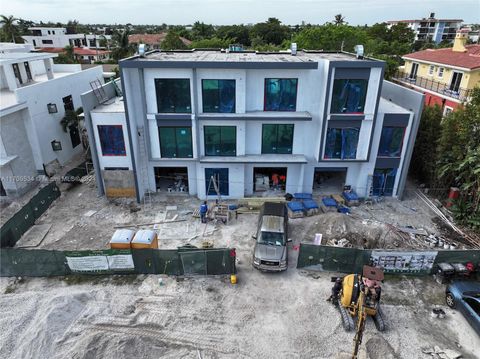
(98, 90)
(147, 198)
(118, 90)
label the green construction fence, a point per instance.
(25, 218)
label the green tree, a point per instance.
(213, 43)
(121, 47)
(72, 26)
(424, 159)
(172, 42)
(237, 33)
(339, 20)
(9, 26)
(330, 37)
(270, 32)
(202, 31)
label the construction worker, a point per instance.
(275, 179)
(203, 212)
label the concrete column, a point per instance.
(10, 76)
(48, 68)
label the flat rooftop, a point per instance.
(303, 58)
(114, 104)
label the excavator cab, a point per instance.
(361, 292)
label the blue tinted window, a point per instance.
(111, 140)
(218, 96)
(341, 143)
(280, 94)
(391, 142)
(349, 96)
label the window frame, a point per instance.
(431, 70)
(345, 82)
(440, 73)
(218, 91)
(175, 128)
(404, 130)
(341, 129)
(264, 152)
(68, 103)
(157, 97)
(222, 154)
(102, 142)
(280, 79)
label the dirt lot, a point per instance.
(263, 316)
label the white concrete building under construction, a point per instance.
(291, 122)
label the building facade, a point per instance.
(446, 76)
(242, 123)
(57, 37)
(431, 29)
(34, 95)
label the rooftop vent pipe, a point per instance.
(141, 50)
(293, 48)
(359, 51)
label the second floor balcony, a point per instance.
(444, 89)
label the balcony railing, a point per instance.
(460, 94)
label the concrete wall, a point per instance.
(43, 128)
(17, 175)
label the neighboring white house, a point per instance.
(57, 37)
(312, 121)
(431, 29)
(34, 94)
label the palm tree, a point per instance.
(122, 48)
(9, 26)
(339, 20)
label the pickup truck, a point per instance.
(270, 252)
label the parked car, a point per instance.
(465, 297)
(270, 252)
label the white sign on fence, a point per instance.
(100, 261)
(120, 261)
(404, 262)
(88, 264)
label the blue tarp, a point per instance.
(329, 202)
(350, 196)
(302, 196)
(295, 206)
(310, 204)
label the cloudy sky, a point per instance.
(356, 12)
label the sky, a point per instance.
(223, 12)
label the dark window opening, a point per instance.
(74, 135)
(280, 94)
(171, 179)
(349, 96)
(176, 142)
(216, 177)
(329, 180)
(341, 143)
(111, 140)
(47, 42)
(218, 96)
(220, 140)
(27, 69)
(391, 142)
(269, 178)
(277, 139)
(16, 71)
(3, 193)
(383, 181)
(173, 95)
(68, 103)
(92, 43)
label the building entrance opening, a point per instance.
(267, 179)
(171, 179)
(327, 181)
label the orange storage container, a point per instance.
(121, 239)
(145, 238)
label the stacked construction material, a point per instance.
(121, 239)
(302, 196)
(351, 198)
(310, 207)
(328, 205)
(145, 238)
(295, 209)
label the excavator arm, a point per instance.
(361, 320)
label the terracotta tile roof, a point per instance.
(469, 59)
(152, 39)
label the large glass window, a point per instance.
(218, 96)
(280, 94)
(341, 143)
(173, 95)
(391, 142)
(220, 140)
(175, 142)
(349, 96)
(111, 140)
(277, 139)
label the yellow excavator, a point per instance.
(359, 297)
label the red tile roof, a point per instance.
(152, 39)
(469, 59)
